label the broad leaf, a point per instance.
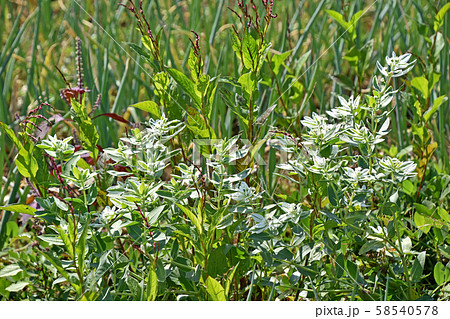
(11, 135)
(19, 208)
(422, 222)
(421, 84)
(150, 107)
(215, 290)
(185, 84)
(192, 217)
(57, 264)
(372, 245)
(436, 104)
(25, 161)
(441, 273)
(230, 279)
(66, 240)
(17, 286)
(417, 268)
(154, 214)
(152, 285)
(439, 18)
(339, 18)
(81, 247)
(249, 52)
(248, 83)
(217, 261)
(278, 60)
(10, 270)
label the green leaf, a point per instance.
(418, 131)
(215, 290)
(140, 51)
(92, 194)
(160, 271)
(444, 214)
(66, 240)
(236, 44)
(195, 64)
(42, 177)
(348, 26)
(211, 95)
(255, 149)
(89, 136)
(408, 187)
(52, 239)
(80, 111)
(352, 269)
(152, 285)
(435, 79)
(61, 205)
(421, 84)
(353, 56)
(147, 42)
(439, 18)
(339, 18)
(134, 287)
(417, 268)
(230, 279)
(438, 41)
(436, 104)
(422, 209)
(248, 83)
(161, 81)
(104, 264)
(340, 265)
(87, 130)
(333, 195)
(19, 208)
(150, 107)
(371, 245)
(11, 135)
(441, 273)
(25, 161)
(192, 217)
(263, 51)
(10, 270)
(198, 126)
(422, 222)
(355, 19)
(217, 261)
(57, 264)
(445, 251)
(186, 84)
(249, 52)
(429, 217)
(81, 247)
(12, 229)
(17, 286)
(154, 214)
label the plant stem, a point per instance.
(402, 256)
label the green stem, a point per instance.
(402, 256)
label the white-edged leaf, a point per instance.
(10, 270)
(17, 286)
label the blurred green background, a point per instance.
(36, 36)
